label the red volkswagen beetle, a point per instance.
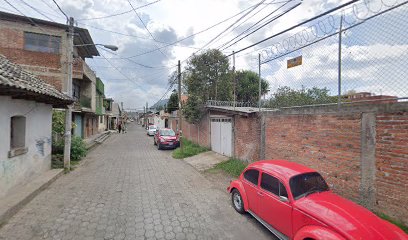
(166, 138)
(294, 202)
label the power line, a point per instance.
(35, 9)
(151, 35)
(230, 26)
(296, 25)
(269, 14)
(11, 5)
(60, 9)
(118, 14)
(194, 34)
(130, 60)
(49, 6)
(263, 25)
(266, 5)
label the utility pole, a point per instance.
(146, 119)
(68, 111)
(234, 79)
(180, 105)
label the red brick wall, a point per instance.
(328, 143)
(198, 133)
(392, 164)
(247, 138)
(47, 66)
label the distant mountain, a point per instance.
(161, 103)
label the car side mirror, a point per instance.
(283, 199)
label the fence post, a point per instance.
(261, 116)
(339, 64)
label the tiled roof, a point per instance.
(16, 82)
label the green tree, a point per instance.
(173, 103)
(207, 77)
(248, 86)
(288, 97)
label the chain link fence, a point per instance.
(353, 55)
(356, 54)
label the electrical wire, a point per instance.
(61, 9)
(263, 25)
(36, 10)
(147, 29)
(194, 34)
(230, 26)
(118, 14)
(295, 26)
(255, 24)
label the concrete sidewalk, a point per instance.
(22, 195)
(206, 160)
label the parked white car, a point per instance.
(151, 130)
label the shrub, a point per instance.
(78, 148)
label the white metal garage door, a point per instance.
(221, 136)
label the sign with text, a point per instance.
(294, 62)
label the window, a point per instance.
(76, 91)
(17, 136)
(252, 176)
(167, 132)
(42, 42)
(307, 183)
(273, 185)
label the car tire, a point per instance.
(236, 200)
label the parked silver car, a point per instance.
(151, 130)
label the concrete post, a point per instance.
(68, 111)
(368, 168)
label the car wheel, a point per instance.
(237, 202)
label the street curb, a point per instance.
(10, 209)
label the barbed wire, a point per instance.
(327, 26)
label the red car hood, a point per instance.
(350, 219)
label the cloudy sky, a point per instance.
(139, 71)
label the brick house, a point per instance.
(40, 48)
(26, 104)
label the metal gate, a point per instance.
(221, 135)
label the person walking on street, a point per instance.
(120, 127)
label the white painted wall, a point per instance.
(158, 121)
(21, 169)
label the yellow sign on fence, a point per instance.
(294, 62)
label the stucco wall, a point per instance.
(21, 169)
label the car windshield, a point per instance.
(308, 183)
(167, 132)
(152, 127)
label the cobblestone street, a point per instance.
(127, 189)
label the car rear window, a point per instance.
(252, 176)
(306, 183)
(167, 132)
